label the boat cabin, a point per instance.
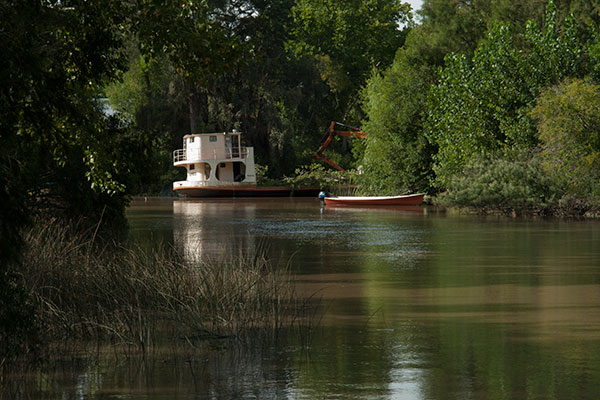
(215, 159)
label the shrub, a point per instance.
(262, 176)
(501, 184)
(316, 175)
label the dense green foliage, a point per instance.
(483, 105)
(316, 175)
(397, 156)
(468, 125)
(275, 70)
(347, 39)
(507, 184)
(568, 118)
(56, 60)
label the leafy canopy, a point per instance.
(347, 39)
(568, 117)
(482, 106)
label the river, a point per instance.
(417, 304)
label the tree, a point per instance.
(58, 151)
(458, 26)
(244, 79)
(347, 39)
(483, 106)
(397, 157)
(568, 121)
(57, 57)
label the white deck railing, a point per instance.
(179, 155)
(183, 155)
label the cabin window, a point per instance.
(192, 167)
(191, 140)
(222, 165)
(212, 138)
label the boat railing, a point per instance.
(236, 152)
(182, 155)
(179, 155)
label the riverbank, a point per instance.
(572, 210)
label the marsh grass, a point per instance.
(87, 294)
(133, 297)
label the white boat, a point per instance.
(214, 161)
(218, 165)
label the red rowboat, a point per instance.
(406, 200)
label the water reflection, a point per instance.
(218, 370)
(208, 228)
(418, 305)
(296, 231)
(398, 210)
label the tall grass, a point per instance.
(135, 297)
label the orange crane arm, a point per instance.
(330, 134)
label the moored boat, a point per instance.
(405, 200)
(218, 165)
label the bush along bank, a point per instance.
(514, 185)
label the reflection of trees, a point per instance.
(446, 359)
(472, 360)
(473, 251)
(357, 348)
(509, 316)
(351, 362)
(251, 370)
(494, 308)
(216, 370)
(151, 222)
(372, 240)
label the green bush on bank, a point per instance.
(263, 178)
(501, 184)
(516, 185)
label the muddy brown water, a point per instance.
(417, 305)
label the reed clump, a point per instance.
(83, 290)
